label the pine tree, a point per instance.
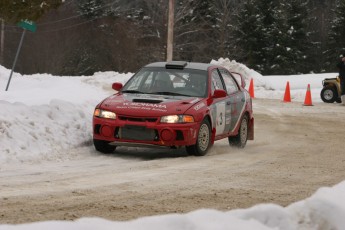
(258, 33)
(91, 9)
(195, 37)
(336, 44)
(272, 25)
(298, 46)
(201, 11)
(247, 35)
(273, 36)
(224, 11)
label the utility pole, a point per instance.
(2, 40)
(170, 30)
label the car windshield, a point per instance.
(175, 82)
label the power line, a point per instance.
(69, 27)
(55, 30)
(76, 16)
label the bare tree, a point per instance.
(16, 10)
(2, 41)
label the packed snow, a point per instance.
(42, 116)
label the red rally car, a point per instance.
(175, 104)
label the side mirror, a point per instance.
(117, 86)
(219, 93)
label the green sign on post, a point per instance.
(28, 25)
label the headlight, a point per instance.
(177, 119)
(104, 114)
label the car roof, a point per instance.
(181, 65)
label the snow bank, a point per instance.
(247, 73)
(323, 210)
(43, 115)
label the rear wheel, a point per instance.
(103, 146)
(329, 94)
(240, 140)
(203, 142)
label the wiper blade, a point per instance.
(161, 93)
(171, 93)
(131, 91)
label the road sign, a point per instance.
(28, 25)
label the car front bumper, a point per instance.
(144, 133)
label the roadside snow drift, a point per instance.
(324, 210)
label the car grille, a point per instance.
(137, 133)
(138, 119)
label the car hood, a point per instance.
(148, 104)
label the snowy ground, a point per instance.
(42, 115)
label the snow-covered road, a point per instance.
(296, 150)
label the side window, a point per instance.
(237, 77)
(230, 82)
(216, 81)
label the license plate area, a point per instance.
(137, 133)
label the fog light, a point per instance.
(106, 131)
(167, 135)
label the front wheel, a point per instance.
(240, 140)
(103, 146)
(328, 94)
(203, 142)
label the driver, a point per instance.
(162, 83)
(197, 82)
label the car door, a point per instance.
(220, 108)
(236, 98)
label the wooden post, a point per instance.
(170, 31)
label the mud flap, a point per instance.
(251, 129)
(213, 136)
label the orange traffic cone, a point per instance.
(307, 100)
(287, 97)
(251, 88)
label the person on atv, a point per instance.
(341, 66)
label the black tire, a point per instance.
(103, 146)
(240, 140)
(329, 94)
(203, 141)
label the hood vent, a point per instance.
(152, 101)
